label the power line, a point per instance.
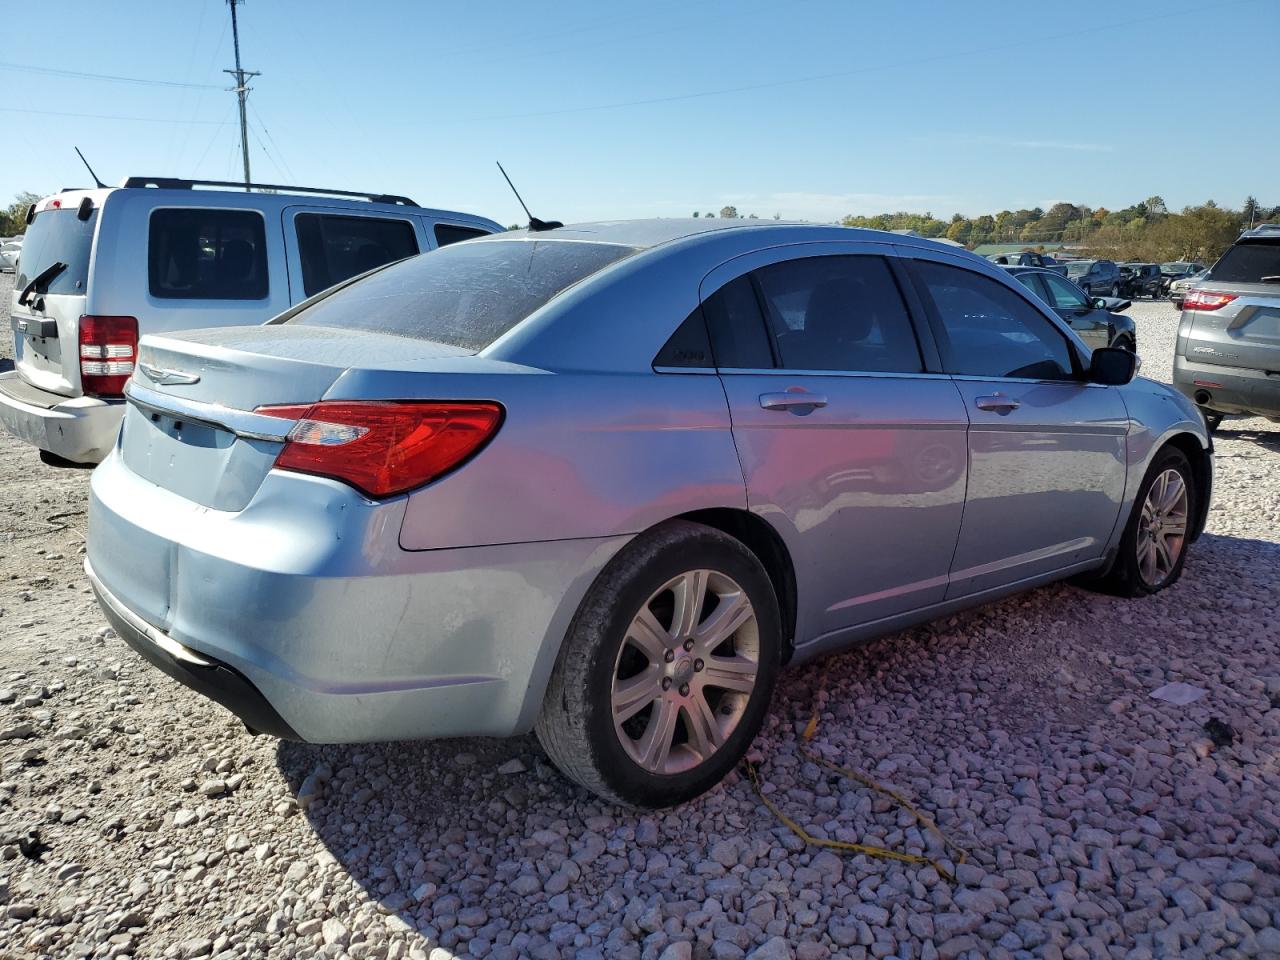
(105, 116)
(113, 78)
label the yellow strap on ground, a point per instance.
(961, 855)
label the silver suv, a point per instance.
(157, 255)
(1228, 353)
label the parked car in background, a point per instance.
(604, 481)
(1228, 352)
(1095, 277)
(1141, 280)
(100, 267)
(1178, 289)
(1177, 270)
(1029, 258)
(1096, 320)
(9, 250)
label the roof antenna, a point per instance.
(98, 183)
(535, 224)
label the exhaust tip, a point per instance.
(1203, 397)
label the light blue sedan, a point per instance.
(604, 481)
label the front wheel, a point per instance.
(1154, 546)
(666, 672)
(1115, 290)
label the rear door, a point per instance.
(328, 245)
(1244, 331)
(1047, 463)
(845, 442)
(44, 327)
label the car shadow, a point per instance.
(452, 836)
(6, 364)
(1267, 439)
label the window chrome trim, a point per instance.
(861, 374)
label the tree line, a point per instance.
(1146, 231)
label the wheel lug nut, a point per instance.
(688, 644)
(666, 683)
(669, 655)
(698, 664)
(684, 689)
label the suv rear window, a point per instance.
(207, 254)
(1248, 262)
(447, 233)
(335, 248)
(466, 295)
(58, 236)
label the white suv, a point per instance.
(100, 267)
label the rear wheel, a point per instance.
(1154, 546)
(665, 675)
(1115, 290)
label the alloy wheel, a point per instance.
(1162, 528)
(685, 672)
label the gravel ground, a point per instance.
(137, 818)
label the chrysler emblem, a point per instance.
(162, 376)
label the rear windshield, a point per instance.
(58, 236)
(466, 295)
(1079, 267)
(1250, 261)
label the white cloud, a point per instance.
(1027, 144)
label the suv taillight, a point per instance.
(383, 448)
(1206, 300)
(108, 350)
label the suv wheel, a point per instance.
(1154, 546)
(665, 675)
(1115, 290)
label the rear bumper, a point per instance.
(82, 429)
(1238, 390)
(216, 680)
(317, 625)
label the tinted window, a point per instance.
(1248, 262)
(447, 234)
(466, 295)
(738, 336)
(207, 255)
(333, 248)
(1063, 294)
(1032, 282)
(838, 313)
(987, 330)
(57, 236)
(688, 346)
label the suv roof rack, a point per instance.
(177, 183)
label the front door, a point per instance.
(846, 445)
(1047, 461)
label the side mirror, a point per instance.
(1112, 366)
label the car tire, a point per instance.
(1147, 562)
(613, 658)
(1115, 290)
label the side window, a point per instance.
(334, 248)
(987, 330)
(1032, 282)
(738, 337)
(447, 233)
(688, 346)
(207, 254)
(838, 313)
(1065, 295)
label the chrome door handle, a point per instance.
(791, 399)
(998, 402)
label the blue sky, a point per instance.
(811, 109)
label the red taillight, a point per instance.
(383, 448)
(108, 350)
(1206, 300)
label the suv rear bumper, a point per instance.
(81, 429)
(1238, 390)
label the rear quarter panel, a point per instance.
(578, 455)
